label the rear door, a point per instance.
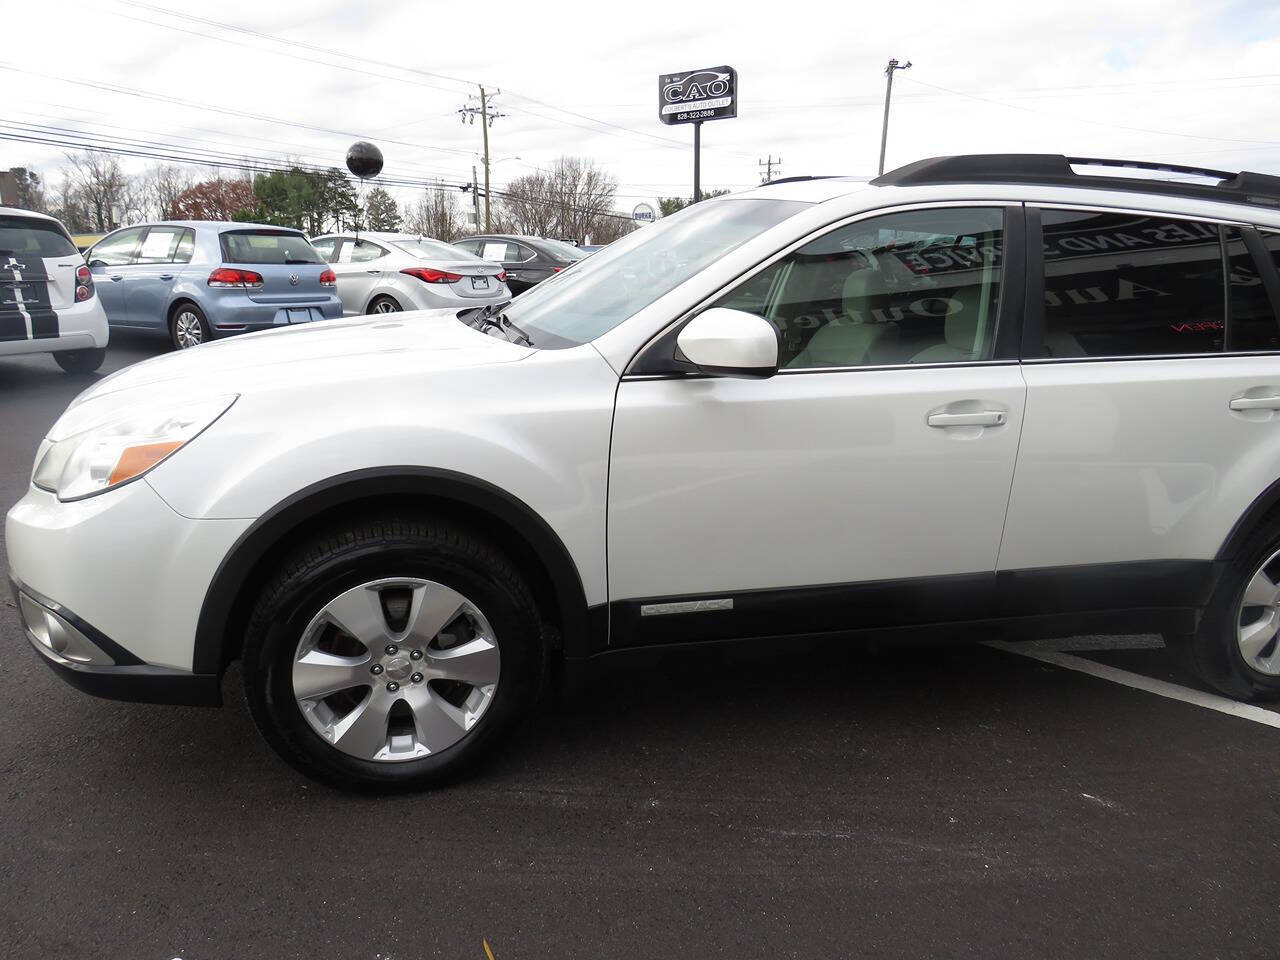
(157, 266)
(359, 266)
(1153, 375)
(111, 262)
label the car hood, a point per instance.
(328, 351)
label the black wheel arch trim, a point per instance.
(271, 528)
(1248, 522)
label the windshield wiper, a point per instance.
(500, 322)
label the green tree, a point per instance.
(380, 211)
(306, 200)
(669, 205)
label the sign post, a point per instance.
(695, 96)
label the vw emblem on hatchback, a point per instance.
(293, 279)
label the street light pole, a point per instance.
(888, 92)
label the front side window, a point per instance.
(915, 287)
(1131, 285)
(116, 250)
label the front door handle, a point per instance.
(374, 272)
(1256, 403)
(166, 276)
(116, 278)
(982, 418)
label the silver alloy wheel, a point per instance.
(386, 306)
(396, 669)
(1258, 619)
(188, 330)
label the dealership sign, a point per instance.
(697, 95)
(643, 213)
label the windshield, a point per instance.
(433, 249)
(608, 287)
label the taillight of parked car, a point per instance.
(84, 284)
(427, 275)
(231, 277)
(556, 269)
(328, 279)
(502, 277)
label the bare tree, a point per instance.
(159, 187)
(435, 214)
(101, 185)
(571, 201)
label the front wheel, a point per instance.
(1237, 646)
(392, 654)
(80, 361)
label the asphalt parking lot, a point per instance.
(891, 802)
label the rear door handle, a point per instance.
(116, 278)
(166, 276)
(1256, 403)
(374, 272)
(983, 418)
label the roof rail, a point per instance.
(1052, 169)
(819, 176)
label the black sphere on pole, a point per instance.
(364, 160)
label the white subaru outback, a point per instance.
(1009, 394)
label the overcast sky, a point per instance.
(1190, 83)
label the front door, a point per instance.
(866, 483)
(110, 262)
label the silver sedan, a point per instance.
(390, 272)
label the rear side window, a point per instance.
(1252, 324)
(1131, 285)
(28, 235)
(186, 247)
(159, 245)
(267, 247)
(325, 247)
(364, 250)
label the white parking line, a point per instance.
(1162, 688)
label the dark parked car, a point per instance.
(526, 260)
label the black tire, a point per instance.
(181, 329)
(384, 304)
(383, 548)
(80, 361)
(1212, 653)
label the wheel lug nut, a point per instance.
(376, 669)
(393, 686)
(416, 678)
(416, 655)
(391, 649)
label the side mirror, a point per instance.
(730, 343)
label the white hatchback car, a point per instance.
(391, 272)
(48, 303)
(1001, 393)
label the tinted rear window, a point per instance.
(32, 235)
(267, 246)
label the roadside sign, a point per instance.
(643, 213)
(697, 95)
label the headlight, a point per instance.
(123, 449)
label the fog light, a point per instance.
(56, 636)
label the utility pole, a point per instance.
(768, 165)
(468, 114)
(475, 198)
(888, 91)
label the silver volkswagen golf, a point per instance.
(390, 272)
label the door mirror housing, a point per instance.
(730, 343)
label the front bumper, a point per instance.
(92, 662)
